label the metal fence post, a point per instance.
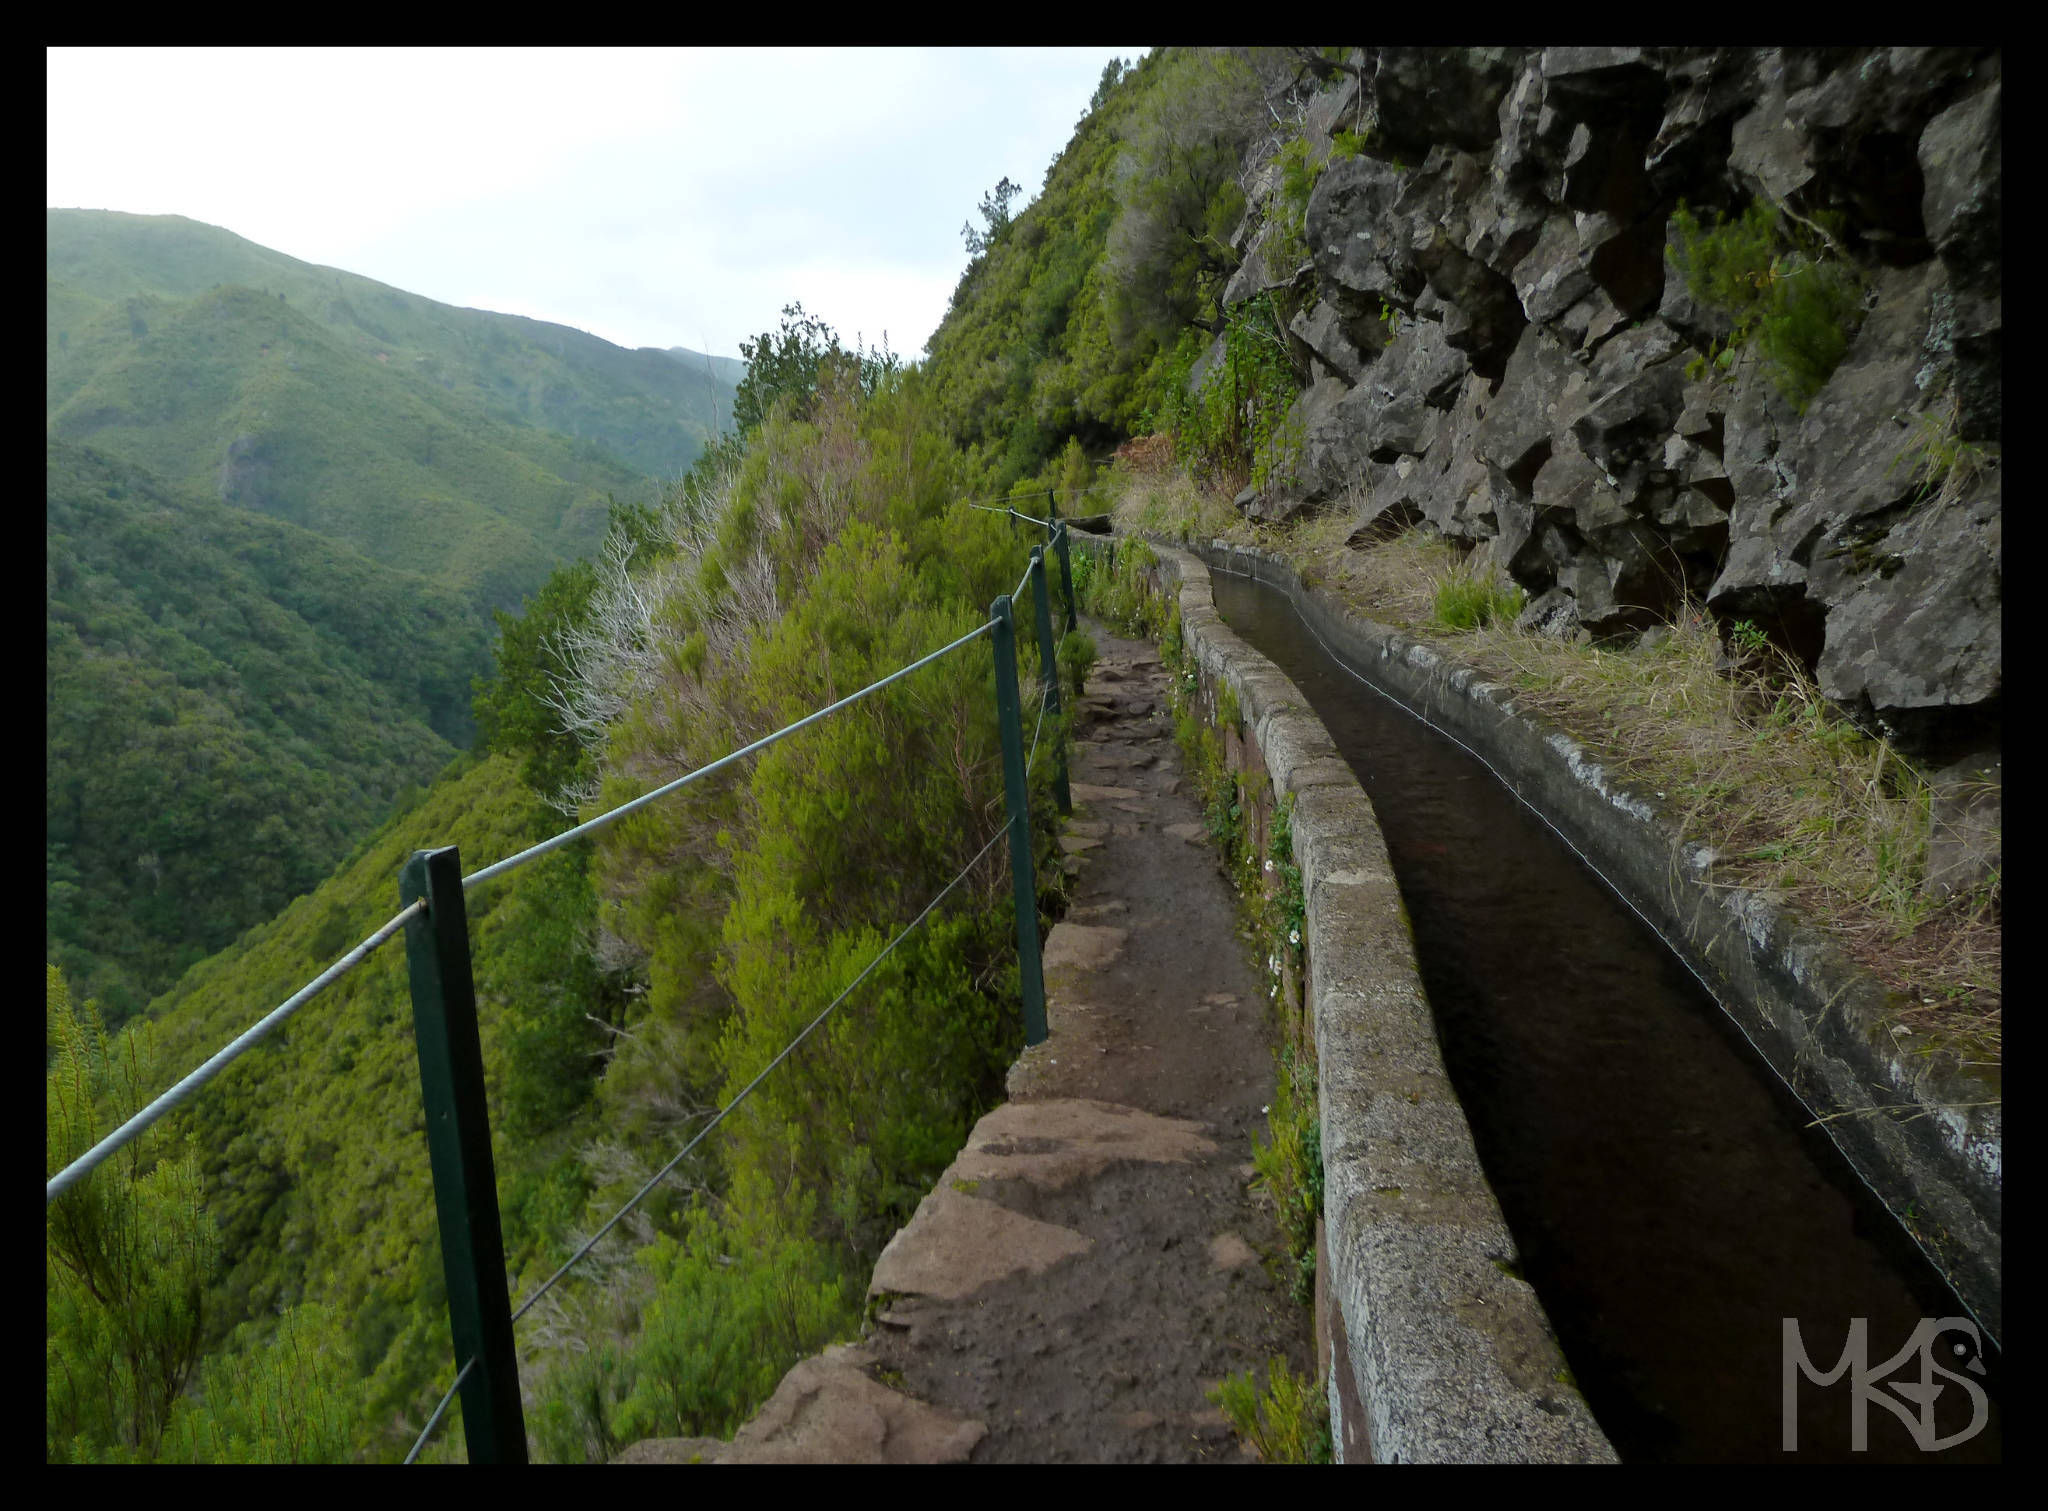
(1066, 574)
(1023, 885)
(1049, 668)
(459, 1146)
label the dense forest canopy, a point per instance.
(229, 702)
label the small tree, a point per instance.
(127, 1251)
(995, 217)
(783, 364)
(1112, 75)
(1169, 254)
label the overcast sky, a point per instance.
(651, 197)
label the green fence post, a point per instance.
(1049, 666)
(459, 1147)
(1017, 796)
(1066, 574)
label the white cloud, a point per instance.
(656, 198)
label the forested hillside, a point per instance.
(235, 395)
(282, 501)
(1077, 315)
(651, 410)
(230, 702)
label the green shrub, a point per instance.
(731, 1313)
(1291, 900)
(1290, 1166)
(1239, 423)
(1287, 248)
(1288, 1424)
(1119, 592)
(1792, 297)
(1076, 658)
(283, 1395)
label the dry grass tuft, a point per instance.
(1158, 498)
(1794, 800)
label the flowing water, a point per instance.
(1671, 1208)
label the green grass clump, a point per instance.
(1289, 1162)
(1465, 601)
(1076, 658)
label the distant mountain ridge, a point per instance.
(281, 501)
(651, 409)
(479, 450)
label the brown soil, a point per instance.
(1144, 1270)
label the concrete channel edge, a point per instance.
(1923, 1131)
(1449, 1354)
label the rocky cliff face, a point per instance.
(1498, 341)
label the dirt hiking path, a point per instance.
(1095, 1259)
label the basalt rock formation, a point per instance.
(1497, 340)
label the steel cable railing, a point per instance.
(1015, 513)
(998, 624)
(534, 852)
(435, 1420)
(183, 1090)
(748, 1090)
(87, 1162)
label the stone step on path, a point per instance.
(1096, 1258)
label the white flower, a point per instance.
(1267, 1108)
(1294, 936)
(1269, 865)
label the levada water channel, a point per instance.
(1671, 1204)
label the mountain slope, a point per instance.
(230, 702)
(311, 1146)
(236, 395)
(651, 409)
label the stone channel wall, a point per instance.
(1913, 1121)
(1436, 1350)
(1484, 302)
